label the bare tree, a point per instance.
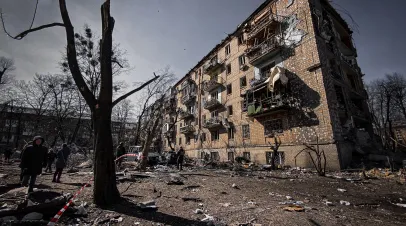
(275, 149)
(105, 189)
(122, 113)
(6, 67)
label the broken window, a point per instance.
(228, 69)
(180, 140)
(241, 60)
(273, 126)
(243, 82)
(214, 114)
(214, 95)
(214, 155)
(228, 49)
(265, 71)
(230, 110)
(203, 137)
(215, 135)
(240, 39)
(246, 131)
(204, 118)
(229, 89)
(187, 140)
(247, 155)
(231, 133)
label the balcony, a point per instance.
(213, 123)
(212, 104)
(351, 63)
(269, 105)
(258, 53)
(212, 65)
(212, 84)
(184, 114)
(267, 21)
(187, 129)
(188, 98)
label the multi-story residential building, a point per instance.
(288, 71)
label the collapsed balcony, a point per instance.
(258, 53)
(212, 104)
(268, 94)
(213, 83)
(213, 122)
(268, 22)
(187, 129)
(212, 65)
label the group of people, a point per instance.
(36, 156)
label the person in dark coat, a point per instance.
(61, 161)
(33, 159)
(50, 160)
(181, 156)
(119, 152)
(7, 154)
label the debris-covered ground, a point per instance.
(202, 196)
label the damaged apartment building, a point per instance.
(288, 71)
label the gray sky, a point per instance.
(178, 33)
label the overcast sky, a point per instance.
(178, 33)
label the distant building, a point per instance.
(288, 71)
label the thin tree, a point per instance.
(6, 67)
(105, 190)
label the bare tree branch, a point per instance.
(134, 90)
(118, 63)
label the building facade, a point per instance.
(289, 71)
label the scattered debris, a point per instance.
(345, 203)
(289, 198)
(208, 218)
(198, 211)
(185, 199)
(294, 208)
(116, 220)
(3, 176)
(235, 186)
(227, 204)
(86, 164)
(341, 190)
(328, 203)
(148, 205)
(191, 187)
(400, 205)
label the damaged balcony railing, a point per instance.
(187, 98)
(212, 84)
(213, 122)
(266, 21)
(269, 105)
(212, 65)
(187, 129)
(211, 104)
(268, 46)
(183, 114)
(351, 63)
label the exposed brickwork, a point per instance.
(307, 67)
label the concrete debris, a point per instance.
(235, 186)
(33, 216)
(400, 205)
(207, 218)
(328, 203)
(148, 205)
(198, 211)
(201, 204)
(81, 210)
(289, 198)
(9, 218)
(137, 223)
(86, 164)
(3, 176)
(341, 190)
(227, 204)
(294, 208)
(345, 203)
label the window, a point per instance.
(188, 140)
(203, 137)
(246, 155)
(230, 156)
(214, 155)
(228, 49)
(214, 114)
(196, 121)
(196, 76)
(231, 133)
(175, 129)
(246, 131)
(196, 138)
(241, 60)
(228, 69)
(230, 109)
(204, 118)
(215, 135)
(279, 160)
(240, 39)
(243, 82)
(229, 89)
(180, 125)
(180, 140)
(273, 126)
(214, 95)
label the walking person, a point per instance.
(181, 155)
(50, 160)
(33, 159)
(119, 152)
(61, 161)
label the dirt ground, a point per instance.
(231, 198)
